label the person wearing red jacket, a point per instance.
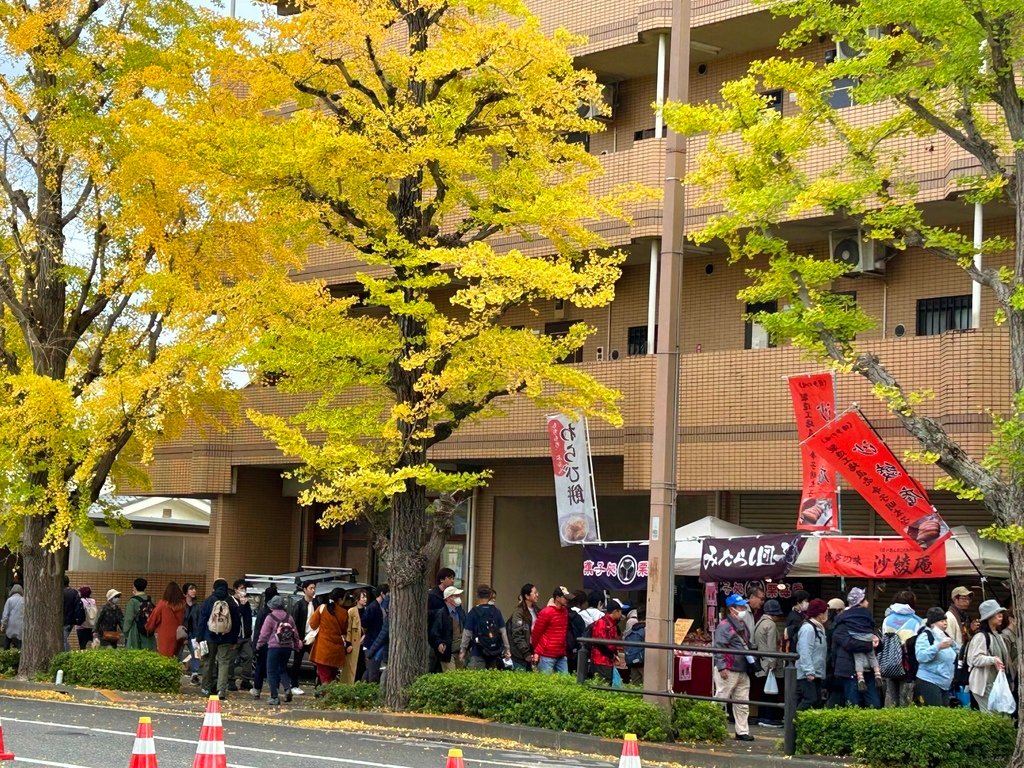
(604, 655)
(548, 634)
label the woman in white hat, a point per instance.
(987, 653)
(108, 623)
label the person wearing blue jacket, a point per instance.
(936, 654)
(220, 625)
(378, 651)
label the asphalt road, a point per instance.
(48, 733)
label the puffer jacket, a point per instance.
(603, 655)
(268, 631)
(845, 645)
(548, 634)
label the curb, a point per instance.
(541, 738)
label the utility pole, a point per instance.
(665, 439)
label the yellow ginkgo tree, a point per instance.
(132, 270)
(430, 138)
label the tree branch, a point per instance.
(76, 32)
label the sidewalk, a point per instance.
(764, 752)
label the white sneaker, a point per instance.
(296, 691)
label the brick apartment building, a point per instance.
(739, 458)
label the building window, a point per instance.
(945, 313)
(557, 331)
(841, 97)
(755, 335)
(636, 340)
(648, 133)
(774, 98)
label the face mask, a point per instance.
(802, 606)
(457, 601)
(742, 613)
(116, 600)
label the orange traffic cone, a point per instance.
(4, 754)
(210, 752)
(144, 750)
(455, 759)
(630, 752)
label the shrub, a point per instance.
(119, 669)
(355, 696)
(698, 721)
(542, 701)
(9, 661)
(912, 737)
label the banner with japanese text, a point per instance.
(615, 567)
(749, 557)
(574, 486)
(851, 447)
(886, 559)
(814, 402)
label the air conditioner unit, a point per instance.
(857, 252)
(604, 109)
(846, 51)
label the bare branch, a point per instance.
(387, 85)
(76, 31)
(76, 209)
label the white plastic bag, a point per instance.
(1000, 699)
(771, 685)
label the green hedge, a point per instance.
(120, 670)
(9, 661)
(698, 721)
(912, 737)
(542, 701)
(355, 696)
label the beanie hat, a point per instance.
(856, 597)
(276, 602)
(816, 607)
(934, 615)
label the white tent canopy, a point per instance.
(989, 556)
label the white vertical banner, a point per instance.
(575, 497)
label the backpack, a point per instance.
(962, 674)
(219, 622)
(285, 633)
(635, 654)
(488, 632)
(892, 657)
(79, 612)
(911, 650)
(575, 629)
(145, 611)
(91, 614)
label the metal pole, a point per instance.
(979, 218)
(789, 713)
(659, 120)
(581, 664)
(665, 437)
(652, 296)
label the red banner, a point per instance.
(851, 447)
(815, 405)
(886, 559)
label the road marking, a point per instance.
(237, 748)
(33, 761)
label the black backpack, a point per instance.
(911, 651)
(79, 612)
(145, 611)
(488, 631)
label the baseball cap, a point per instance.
(836, 604)
(613, 605)
(734, 600)
(561, 592)
(962, 592)
(449, 591)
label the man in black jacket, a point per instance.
(801, 599)
(74, 610)
(435, 598)
(442, 630)
(373, 621)
(241, 664)
(301, 614)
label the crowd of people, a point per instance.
(947, 657)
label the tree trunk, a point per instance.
(44, 599)
(1016, 552)
(407, 572)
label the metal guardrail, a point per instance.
(788, 678)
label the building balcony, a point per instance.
(736, 426)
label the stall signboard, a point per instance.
(615, 567)
(889, 558)
(749, 557)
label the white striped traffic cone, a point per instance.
(210, 752)
(630, 752)
(144, 749)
